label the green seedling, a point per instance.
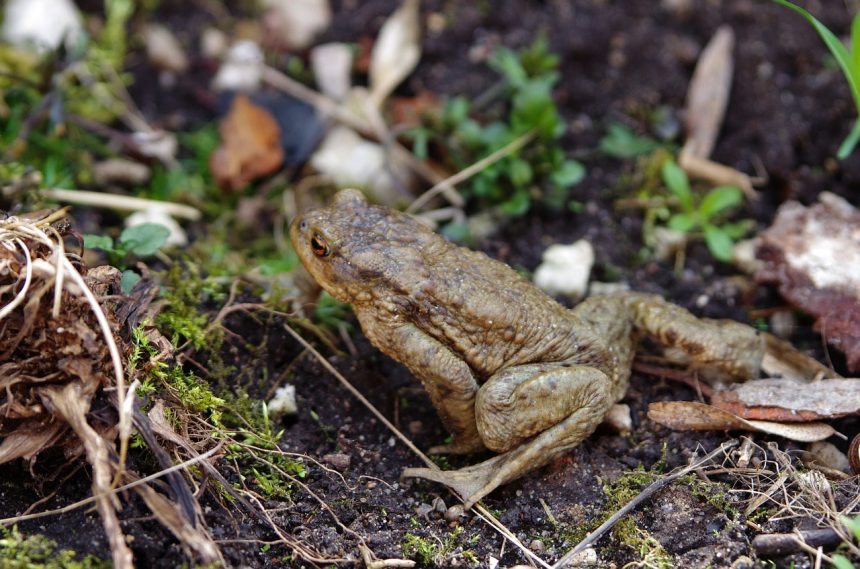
(840, 561)
(536, 169)
(849, 63)
(621, 142)
(703, 214)
(140, 241)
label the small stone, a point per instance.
(332, 67)
(338, 461)
(454, 513)
(120, 171)
(536, 545)
(565, 269)
(163, 49)
(242, 69)
(284, 402)
(213, 43)
(782, 324)
(415, 427)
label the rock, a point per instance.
(294, 24)
(242, 68)
(338, 461)
(283, 403)
(157, 215)
(565, 269)
(454, 513)
(332, 67)
(213, 43)
(26, 24)
(351, 161)
(120, 171)
(163, 49)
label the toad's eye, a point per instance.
(319, 246)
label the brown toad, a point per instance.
(507, 367)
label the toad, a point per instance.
(508, 369)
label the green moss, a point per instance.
(714, 493)
(39, 552)
(432, 551)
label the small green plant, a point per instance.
(39, 552)
(704, 214)
(849, 63)
(422, 549)
(537, 172)
(140, 241)
(621, 142)
(839, 560)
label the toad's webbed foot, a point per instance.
(471, 483)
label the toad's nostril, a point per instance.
(303, 225)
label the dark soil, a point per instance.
(789, 111)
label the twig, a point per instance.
(656, 486)
(115, 491)
(482, 512)
(779, 544)
(334, 110)
(470, 171)
(114, 201)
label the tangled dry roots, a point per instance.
(58, 353)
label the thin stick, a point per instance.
(655, 486)
(130, 485)
(470, 171)
(482, 512)
(126, 203)
(357, 394)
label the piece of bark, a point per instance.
(813, 255)
(791, 401)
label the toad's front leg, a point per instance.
(532, 414)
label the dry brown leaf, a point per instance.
(787, 400)
(708, 94)
(250, 145)
(813, 254)
(396, 52)
(695, 416)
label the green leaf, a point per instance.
(520, 172)
(102, 242)
(570, 174)
(852, 524)
(517, 205)
(128, 280)
(847, 146)
(736, 230)
(507, 63)
(684, 222)
(718, 199)
(840, 53)
(841, 562)
(145, 239)
(456, 111)
(855, 45)
(677, 183)
(719, 244)
(621, 142)
(534, 109)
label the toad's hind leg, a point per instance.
(730, 347)
(532, 414)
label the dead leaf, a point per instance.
(396, 52)
(791, 401)
(813, 254)
(708, 94)
(695, 416)
(250, 145)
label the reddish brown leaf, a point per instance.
(250, 145)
